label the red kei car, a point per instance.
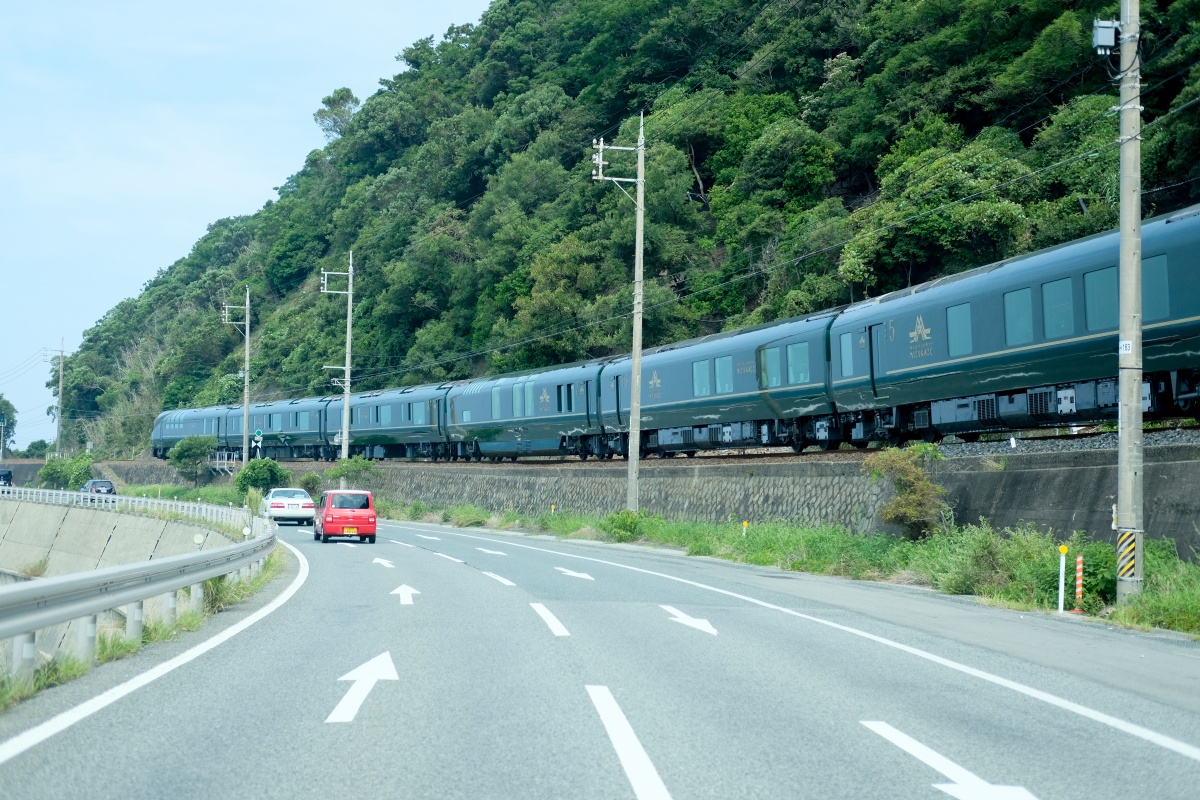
(343, 512)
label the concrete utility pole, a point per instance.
(62, 354)
(245, 374)
(1129, 345)
(344, 382)
(634, 446)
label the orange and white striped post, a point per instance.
(1078, 609)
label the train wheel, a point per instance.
(896, 437)
(969, 438)
(826, 444)
(861, 445)
(583, 453)
(931, 436)
(514, 458)
(690, 453)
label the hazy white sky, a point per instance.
(130, 126)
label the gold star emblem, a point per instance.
(920, 332)
(545, 399)
(655, 382)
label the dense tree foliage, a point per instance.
(799, 155)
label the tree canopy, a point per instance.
(797, 158)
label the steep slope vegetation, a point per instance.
(801, 153)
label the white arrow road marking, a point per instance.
(385, 562)
(556, 627)
(570, 574)
(966, 784)
(490, 552)
(405, 544)
(452, 558)
(639, 769)
(346, 544)
(691, 622)
(406, 593)
(379, 668)
(434, 538)
(505, 581)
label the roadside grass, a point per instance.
(217, 495)
(58, 670)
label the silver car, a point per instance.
(288, 504)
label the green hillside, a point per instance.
(800, 154)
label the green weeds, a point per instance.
(58, 670)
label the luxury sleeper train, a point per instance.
(1026, 342)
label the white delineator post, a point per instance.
(1062, 574)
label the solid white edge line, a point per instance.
(556, 627)
(1133, 729)
(639, 769)
(926, 755)
(40, 733)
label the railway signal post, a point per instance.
(634, 447)
(1129, 346)
(344, 381)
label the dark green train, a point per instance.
(1026, 342)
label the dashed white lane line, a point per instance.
(346, 544)
(402, 544)
(490, 552)
(40, 733)
(639, 769)
(505, 581)
(556, 627)
(1154, 737)
(452, 558)
(423, 536)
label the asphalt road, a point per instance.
(486, 665)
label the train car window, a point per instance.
(847, 345)
(518, 399)
(701, 387)
(958, 329)
(570, 397)
(418, 413)
(529, 410)
(769, 372)
(258, 422)
(495, 402)
(1155, 304)
(385, 414)
(466, 415)
(724, 366)
(1100, 299)
(558, 398)
(797, 363)
(1018, 317)
(277, 422)
(1058, 309)
(302, 420)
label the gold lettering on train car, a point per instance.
(919, 340)
(745, 367)
(655, 386)
(544, 399)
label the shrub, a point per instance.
(189, 456)
(918, 505)
(467, 517)
(310, 482)
(261, 473)
(352, 469)
(624, 525)
(66, 473)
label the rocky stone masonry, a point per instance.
(835, 493)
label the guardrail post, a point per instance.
(86, 643)
(169, 603)
(133, 621)
(23, 653)
(197, 593)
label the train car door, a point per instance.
(881, 335)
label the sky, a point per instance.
(133, 125)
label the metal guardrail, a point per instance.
(43, 602)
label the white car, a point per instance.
(288, 504)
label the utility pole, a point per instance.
(344, 381)
(1129, 346)
(634, 447)
(245, 326)
(62, 354)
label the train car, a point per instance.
(551, 411)
(172, 426)
(1027, 342)
(398, 423)
(290, 428)
(750, 387)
